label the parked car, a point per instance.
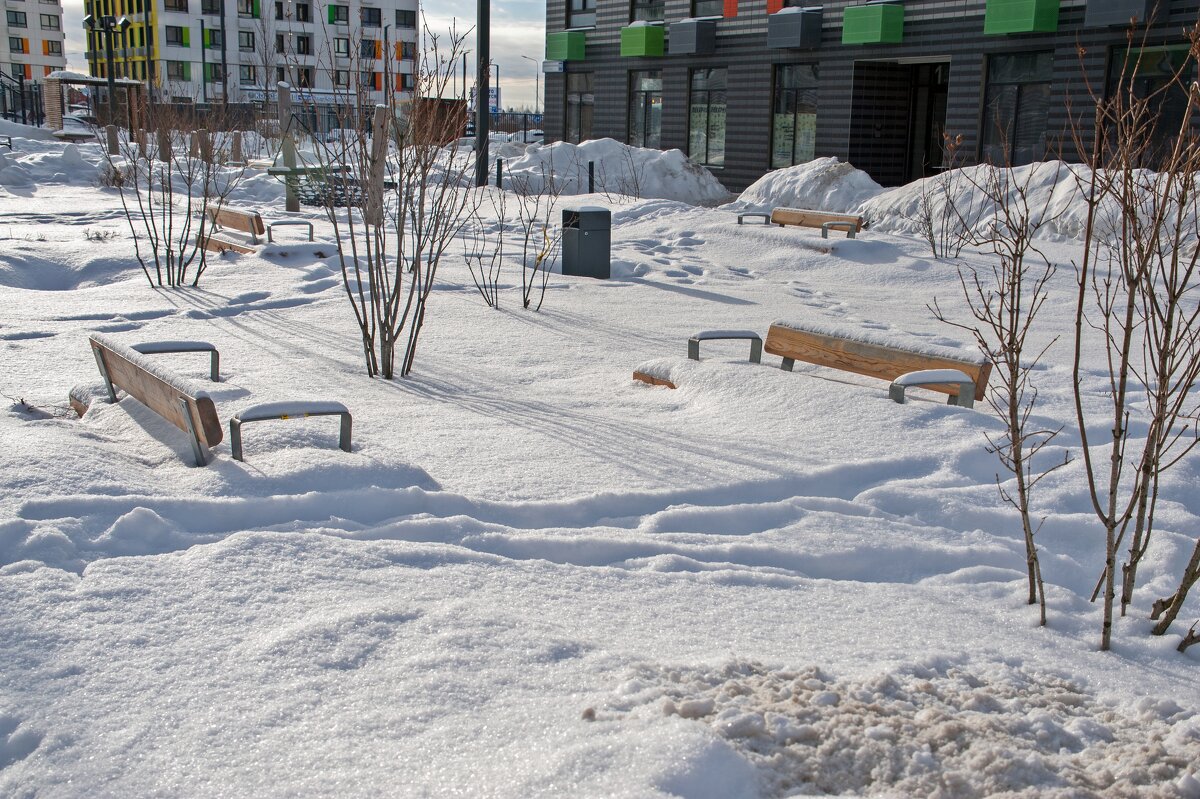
(528, 137)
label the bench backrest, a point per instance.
(872, 360)
(806, 218)
(158, 391)
(246, 221)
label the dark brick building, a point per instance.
(746, 86)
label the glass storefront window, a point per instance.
(645, 108)
(646, 11)
(706, 117)
(580, 100)
(1015, 108)
(794, 115)
(581, 13)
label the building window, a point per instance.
(246, 75)
(176, 36)
(247, 9)
(366, 80)
(408, 51)
(303, 12)
(581, 13)
(645, 108)
(304, 77)
(279, 11)
(281, 74)
(339, 15)
(371, 17)
(210, 7)
(580, 100)
(341, 48)
(280, 43)
(304, 45)
(1015, 108)
(177, 70)
(341, 79)
(1158, 75)
(406, 19)
(176, 5)
(16, 19)
(216, 40)
(406, 81)
(16, 45)
(366, 49)
(213, 73)
(246, 41)
(54, 48)
(50, 22)
(646, 11)
(794, 115)
(706, 117)
(712, 8)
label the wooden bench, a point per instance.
(821, 219)
(182, 403)
(172, 397)
(885, 361)
(6, 141)
(248, 222)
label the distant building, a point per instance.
(31, 34)
(746, 86)
(205, 51)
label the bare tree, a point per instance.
(1134, 295)
(484, 252)
(169, 183)
(1005, 301)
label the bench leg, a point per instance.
(787, 364)
(197, 450)
(896, 393)
(112, 393)
(235, 438)
(693, 349)
(966, 396)
(344, 436)
(755, 350)
(214, 367)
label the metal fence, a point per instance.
(21, 100)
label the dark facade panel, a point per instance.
(860, 88)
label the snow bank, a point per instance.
(19, 131)
(619, 169)
(929, 731)
(825, 184)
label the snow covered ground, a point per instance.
(533, 576)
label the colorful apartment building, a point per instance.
(201, 51)
(31, 38)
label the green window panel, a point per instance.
(878, 23)
(257, 10)
(187, 38)
(642, 40)
(1020, 16)
(565, 46)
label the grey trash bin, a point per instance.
(587, 241)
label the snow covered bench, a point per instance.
(874, 355)
(823, 219)
(174, 398)
(248, 222)
(182, 402)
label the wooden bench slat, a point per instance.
(807, 218)
(871, 360)
(245, 221)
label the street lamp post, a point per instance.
(483, 58)
(107, 25)
(537, 70)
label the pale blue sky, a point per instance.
(518, 29)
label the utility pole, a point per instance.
(483, 72)
(537, 74)
(225, 59)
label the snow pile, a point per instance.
(1052, 189)
(936, 730)
(619, 169)
(825, 184)
(19, 131)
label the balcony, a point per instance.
(693, 37)
(642, 40)
(565, 46)
(794, 29)
(874, 23)
(1021, 16)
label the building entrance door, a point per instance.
(897, 118)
